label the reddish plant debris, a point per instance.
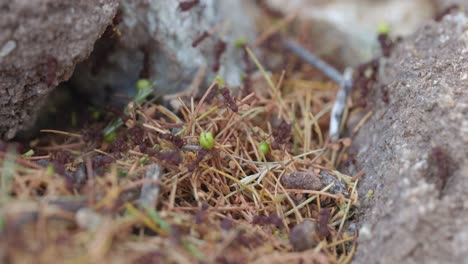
(365, 78)
(119, 145)
(322, 223)
(386, 44)
(200, 156)
(226, 224)
(99, 161)
(446, 11)
(169, 157)
(148, 258)
(220, 47)
(247, 241)
(93, 135)
(201, 215)
(440, 167)
(136, 134)
(281, 134)
(176, 140)
(63, 157)
(187, 5)
(118, 113)
(272, 219)
(246, 86)
(198, 40)
(51, 70)
(229, 99)
(212, 94)
(302, 181)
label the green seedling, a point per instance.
(206, 140)
(28, 154)
(220, 81)
(144, 88)
(383, 28)
(264, 147)
(239, 43)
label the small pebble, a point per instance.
(302, 181)
(302, 236)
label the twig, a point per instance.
(344, 81)
(150, 191)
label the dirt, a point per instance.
(413, 196)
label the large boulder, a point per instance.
(414, 153)
(40, 43)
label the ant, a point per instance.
(219, 50)
(229, 100)
(198, 40)
(187, 5)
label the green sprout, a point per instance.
(383, 28)
(206, 140)
(144, 88)
(28, 154)
(220, 81)
(239, 43)
(264, 147)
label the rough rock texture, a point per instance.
(155, 42)
(414, 153)
(40, 43)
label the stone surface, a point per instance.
(345, 31)
(413, 150)
(155, 42)
(40, 43)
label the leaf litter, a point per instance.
(95, 195)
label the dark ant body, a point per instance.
(322, 222)
(219, 50)
(198, 40)
(177, 141)
(229, 100)
(187, 5)
(283, 132)
(200, 156)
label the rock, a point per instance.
(302, 181)
(155, 40)
(40, 44)
(303, 237)
(309, 181)
(345, 31)
(413, 151)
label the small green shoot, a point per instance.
(28, 154)
(206, 140)
(383, 28)
(144, 89)
(264, 147)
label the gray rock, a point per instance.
(345, 31)
(414, 153)
(155, 42)
(40, 43)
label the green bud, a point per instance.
(206, 140)
(264, 147)
(143, 84)
(110, 137)
(220, 81)
(240, 43)
(383, 28)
